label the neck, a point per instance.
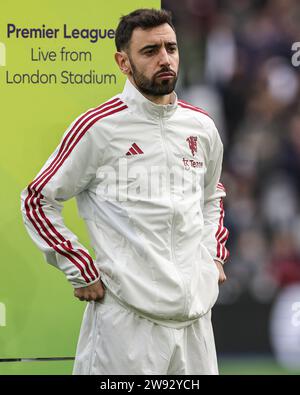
(164, 99)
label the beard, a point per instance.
(153, 86)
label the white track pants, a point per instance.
(115, 340)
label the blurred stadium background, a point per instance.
(236, 64)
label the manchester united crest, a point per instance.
(192, 141)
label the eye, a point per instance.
(149, 52)
(172, 49)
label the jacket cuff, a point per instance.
(84, 285)
(219, 260)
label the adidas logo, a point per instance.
(134, 150)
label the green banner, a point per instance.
(56, 61)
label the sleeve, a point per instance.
(215, 233)
(68, 171)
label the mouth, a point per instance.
(167, 75)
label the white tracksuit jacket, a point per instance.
(146, 180)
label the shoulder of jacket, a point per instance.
(83, 125)
(202, 116)
(107, 109)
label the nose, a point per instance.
(164, 59)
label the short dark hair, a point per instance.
(144, 18)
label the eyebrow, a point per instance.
(153, 46)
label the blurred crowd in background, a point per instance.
(236, 63)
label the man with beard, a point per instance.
(145, 170)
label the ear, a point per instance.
(122, 61)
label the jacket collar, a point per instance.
(138, 103)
